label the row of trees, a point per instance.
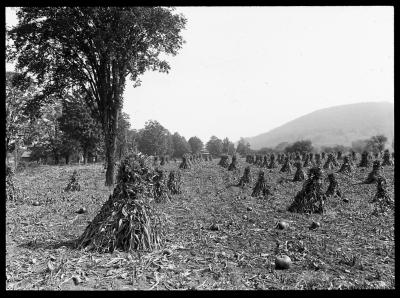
(66, 128)
(154, 139)
(375, 144)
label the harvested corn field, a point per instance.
(215, 235)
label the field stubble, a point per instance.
(216, 235)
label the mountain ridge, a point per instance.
(337, 125)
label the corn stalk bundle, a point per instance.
(233, 164)
(386, 159)
(249, 158)
(346, 166)
(297, 157)
(245, 179)
(318, 161)
(299, 175)
(374, 175)
(311, 156)
(272, 162)
(353, 155)
(185, 162)
(12, 192)
(126, 221)
(304, 156)
(261, 187)
(190, 159)
(174, 182)
(155, 161)
(265, 162)
(224, 161)
(339, 155)
(307, 161)
(382, 198)
(323, 155)
(310, 199)
(333, 187)
(73, 184)
(162, 160)
(330, 162)
(365, 161)
(160, 190)
(287, 166)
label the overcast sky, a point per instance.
(246, 70)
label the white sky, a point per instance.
(246, 70)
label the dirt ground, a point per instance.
(352, 249)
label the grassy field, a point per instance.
(352, 249)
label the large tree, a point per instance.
(195, 144)
(93, 50)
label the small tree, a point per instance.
(377, 143)
(180, 145)
(243, 147)
(153, 139)
(195, 145)
(214, 146)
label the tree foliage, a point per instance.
(180, 145)
(228, 147)
(92, 50)
(335, 148)
(302, 146)
(377, 143)
(77, 124)
(122, 148)
(196, 145)
(17, 122)
(281, 146)
(243, 147)
(154, 139)
(214, 146)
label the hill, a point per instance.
(339, 125)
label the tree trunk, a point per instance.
(66, 159)
(15, 157)
(110, 146)
(56, 159)
(85, 156)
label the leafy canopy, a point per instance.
(195, 144)
(93, 49)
